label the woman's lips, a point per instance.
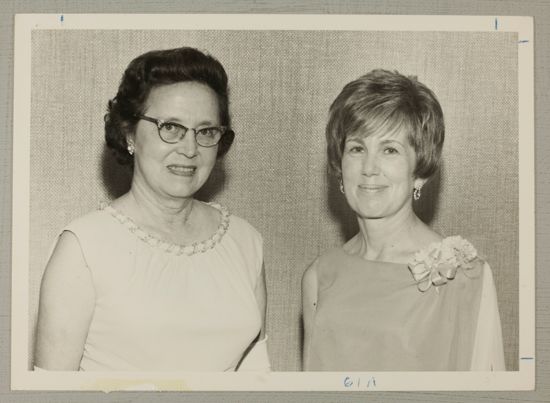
(372, 188)
(182, 170)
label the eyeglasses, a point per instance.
(172, 133)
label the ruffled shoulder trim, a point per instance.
(177, 249)
(439, 262)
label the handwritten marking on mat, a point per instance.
(355, 383)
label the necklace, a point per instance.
(178, 249)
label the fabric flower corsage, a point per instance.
(439, 262)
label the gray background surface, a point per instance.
(539, 9)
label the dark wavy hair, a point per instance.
(153, 69)
(383, 100)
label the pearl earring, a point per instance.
(131, 149)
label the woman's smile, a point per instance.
(372, 188)
(182, 170)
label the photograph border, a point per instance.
(512, 380)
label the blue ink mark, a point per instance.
(527, 358)
(496, 24)
(524, 41)
(61, 18)
(348, 382)
(372, 382)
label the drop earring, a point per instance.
(131, 149)
(342, 187)
(417, 192)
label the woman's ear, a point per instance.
(419, 182)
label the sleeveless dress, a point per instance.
(439, 313)
(166, 307)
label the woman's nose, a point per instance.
(188, 144)
(370, 165)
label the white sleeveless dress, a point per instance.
(166, 307)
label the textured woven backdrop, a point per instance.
(282, 83)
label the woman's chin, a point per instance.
(372, 216)
(177, 194)
(372, 212)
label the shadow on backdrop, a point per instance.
(427, 206)
(339, 209)
(117, 178)
(215, 183)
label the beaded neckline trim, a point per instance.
(177, 249)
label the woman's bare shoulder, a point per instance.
(309, 278)
(66, 307)
(424, 236)
(353, 245)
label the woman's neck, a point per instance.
(392, 239)
(153, 211)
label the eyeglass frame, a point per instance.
(160, 122)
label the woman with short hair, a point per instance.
(398, 295)
(157, 280)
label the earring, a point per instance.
(131, 149)
(342, 187)
(417, 193)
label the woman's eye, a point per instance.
(208, 132)
(390, 150)
(354, 149)
(169, 127)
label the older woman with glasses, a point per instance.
(157, 280)
(397, 296)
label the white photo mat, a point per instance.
(22, 378)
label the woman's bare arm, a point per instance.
(309, 306)
(261, 298)
(67, 301)
(256, 357)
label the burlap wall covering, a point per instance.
(282, 83)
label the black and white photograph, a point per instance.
(284, 202)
